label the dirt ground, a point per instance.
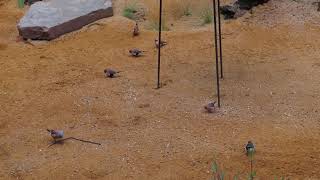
(270, 95)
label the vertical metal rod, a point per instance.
(220, 41)
(216, 50)
(159, 41)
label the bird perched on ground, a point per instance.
(210, 107)
(56, 134)
(162, 43)
(250, 148)
(135, 52)
(136, 31)
(110, 73)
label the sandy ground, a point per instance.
(270, 95)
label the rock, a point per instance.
(239, 8)
(228, 11)
(30, 2)
(51, 19)
(249, 4)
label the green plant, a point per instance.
(154, 25)
(153, 19)
(250, 154)
(130, 10)
(207, 16)
(217, 173)
(187, 10)
(178, 8)
(20, 3)
(252, 175)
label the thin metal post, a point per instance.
(159, 42)
(216, 50)
(220, 41)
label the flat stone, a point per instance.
(47, 20)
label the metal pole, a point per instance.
(220, 41)
(159, 41)
(216, 50)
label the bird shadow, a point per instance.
(136, 56)
(114, 77)
(61, 141)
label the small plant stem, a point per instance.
(251, 169)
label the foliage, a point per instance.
(130, 10)
(154, 25)
(207, 16)
(187, 11)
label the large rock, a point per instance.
(239, 8)
(248, 4)
(51, 19)
(30, 2)
(228, 11)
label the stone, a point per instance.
(239, 8)
(228, 11)
(30, 2)
(47, 20)
(249, 4)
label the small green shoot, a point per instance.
(187, 11)
(130, 10)
(207, 16)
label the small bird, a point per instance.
(210, 107)
(162, 43)
(136, 52)
(55, 134)
(250, 148)
(136, 31)
(110, 73)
